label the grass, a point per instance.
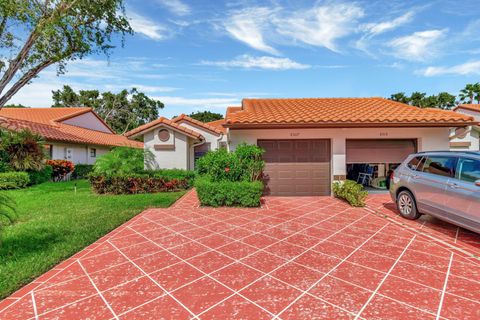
(53, 223)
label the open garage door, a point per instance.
(379, 150)
(296, 167)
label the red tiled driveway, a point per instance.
(294, 258)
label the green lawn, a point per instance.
(54, 222)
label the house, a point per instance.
(177, 143)
(466, 138)
(310, 142)
(75, 134)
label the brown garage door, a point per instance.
(380, 150)
(296, 167)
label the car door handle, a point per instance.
(453, 185)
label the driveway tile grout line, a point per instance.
(440, 305)
(384, 278)
(154, 281)
(34, 304)
(98, 291)
(326, 274)
(210, 277)
(278, 267)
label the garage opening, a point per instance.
(369, 162)
(297, 167)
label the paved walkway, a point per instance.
(294, 258)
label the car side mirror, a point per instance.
(477, 183)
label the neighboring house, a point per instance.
(311, 142)
(467, 138)
(75, 134)
(177, 143)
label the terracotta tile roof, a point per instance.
(232, 110)
(338, 112)
(219, 125)
(200, 124)
(472, 107)
(42, 115)
(166, 122)
(68, 133)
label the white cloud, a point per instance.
(265, 62)
(418, 46)
(148, 27)
(176, 6)
(249, 25)
(467, 68)
(321, 25)
(384, 26)
(372, 30)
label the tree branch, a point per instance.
(32, 73)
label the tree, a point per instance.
(37, 34)
(445, 100)
(205, 116)
(15, 106)
(122, 111)
(417, 99)
(468, 94)
(400, 97)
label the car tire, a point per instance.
(407, 206)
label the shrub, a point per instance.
(60, 168)
(251, 162)
(81, 171)
(244, 164)
(23, 149)
(123, 160)
(351, 191)
(220, 165)
(228, 193)
(40, 176)
(145, 182)
(14, 180)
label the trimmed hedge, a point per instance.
(147, 182)
(14, 180)
(228, 193)
(350, 191)
(41, 176)
(81, 171)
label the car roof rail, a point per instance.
(451, 151)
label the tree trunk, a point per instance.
(32, 73)
(16, 63)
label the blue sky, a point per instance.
(206, 55)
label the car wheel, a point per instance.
(406, 205)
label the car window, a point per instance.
(416, 163)
(468, 169)
(440, 165)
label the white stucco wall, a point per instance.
(429, 139)
(213, 139)
(88, 120)
(473, 136)
(79, 154)
(178, 158)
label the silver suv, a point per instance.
(443, 184)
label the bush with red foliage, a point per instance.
(61, 168)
